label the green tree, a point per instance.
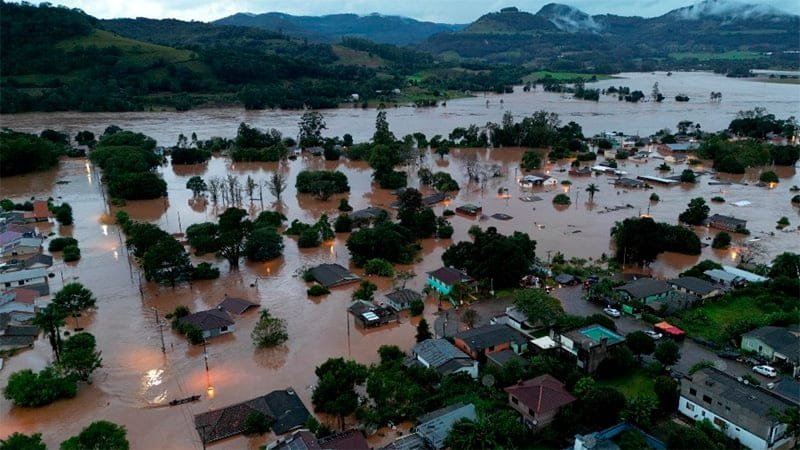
(100, 435)
(50, 320)
(382, 135)
(365, 291)
(380, 267)
(19, 441)
(608, 400)
(639, 410)
(233, 228)
(562, 199)
(667, 352)
(269, 331)
(583, 386)
(790, 417)
(256, 423)
(696, 212)
(688, 176)
(667, 392)
(721, 240)
(335, 392)
(423, 331)
(493, 257)
(167, 262)
(277, 184)
(196, 185)
(64, 214)
(343, 224)
(592, 189)
(311, 125)
(768, 177)
(79, 357)
(26, 388)
(469, 316)
(74, 298)
(640, 343)
(538, 306)
(263, 244)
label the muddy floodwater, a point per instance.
(138, 380)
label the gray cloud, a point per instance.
(450, 11)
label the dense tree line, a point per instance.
(22, 153)
(640, 240)
(128, 160)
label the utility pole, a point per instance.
(160, 331)
(180, 228)
(347, 317)
(205, 354)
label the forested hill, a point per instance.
(332, 28)
(74, 62)
(561, 37)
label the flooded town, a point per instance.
(522, 278)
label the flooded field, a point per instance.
(137, 380)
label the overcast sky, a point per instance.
(449, 11)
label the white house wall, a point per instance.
(748, 439)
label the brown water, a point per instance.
(137, 380)
(608, 114)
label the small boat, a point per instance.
(181, 401)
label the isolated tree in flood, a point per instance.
(423, 331)
(695, 213)
(277, 184)
(74, 298)
(233, 228)
(79, 356)
(100, 435)
(50, 320)
(167, 262)
(19, 441)
(592, 189)
(269, 330)
(196, 185)
(311, 125)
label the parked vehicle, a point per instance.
(767, 371)
(612, 312)
(656, 336)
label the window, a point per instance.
(707, 399)
(689, 406)
(514, 400)
(223, 329)
(491, 349)
(719, 422)
(692, 391)
(531, 412)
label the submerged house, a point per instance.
(443, 357)
(445, 278)
(213, 322)
(727, 223)
(401, 299)
(331, 275)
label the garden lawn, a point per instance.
(637, 383)
(710, 320)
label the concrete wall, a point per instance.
(755, 344)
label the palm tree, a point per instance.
(592, 189)
(49, 320)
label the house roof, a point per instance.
(435, 426)
(369, 213)
(208, 320)
(759, 402)
(542, 394)
(788, 388)
(745, 275)
(593, 335)
(504, 357)
(283, 407)
(330, 275)
(719, 274)
(16, 341)
(438, 352)
(236, 305)
(630, 182)
(8, 237)
(299, 440)
(22, 330)
(27, 274)
(26, 296)
(39, 258)
(487, 336)
(287, 409)
(780, 339)
(564, 278)
(434, 199)
(346, 440)
(450, 276)
(644, 287)
(727, 220)
(411, 441)
(694, 284)
(404, 296)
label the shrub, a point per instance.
(444, 230)
(448, 213)
(64, 214)
(651, 318)
(717, 199)
(768, 177)
(256, 423)
(343, 224)
(205, 271)
(562, 199)
(796, 199)
(622, 154)
(380, 267)
(317, 290)
(566, 183)
(344, 206)
(309, 238)
(26, 388)
(664, 167)
(722, 240)
(443, 182)
(654, 197)
(416, 307)
(58, 244)
(71, 253)
(783, 222)
(531, 161)
(688, 176)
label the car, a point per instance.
(767, 371)
(612, 312)
(656, 336)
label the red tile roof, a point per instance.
(541, 394)
(26, 296)
(347, 440)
